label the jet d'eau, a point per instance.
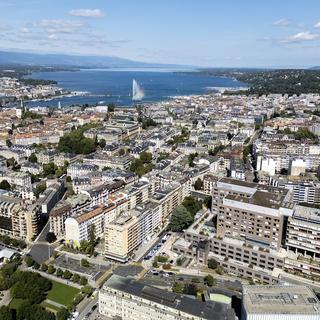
(137, 91)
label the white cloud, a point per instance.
(302, 36)
(317, 25)
(25, 30)
(58, 26)
(282, 23)
(88, 13)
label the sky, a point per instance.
(208, 33)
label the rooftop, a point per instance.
(205, 310)
(280, 300)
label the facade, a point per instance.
(77, 228)
(124, 298)
(303, 232)
(127, 232)
(17, 218)
(280, 302)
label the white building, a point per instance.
(124, 298)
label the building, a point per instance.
(279, 302)
(127, 232)
(18, 219)
(81, 169)
(251, 212)
(124, 298)
(303, 232)
(77, 228)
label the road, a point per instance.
(85, 310)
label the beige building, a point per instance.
(127, 232)
(18, 219)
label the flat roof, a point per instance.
(206, 310)
(307, 213)
(279, 299)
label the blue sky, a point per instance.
(239, 33)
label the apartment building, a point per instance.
(65, 209)
(21, 180)
(279, 302)
(303, 191)
(171, 196)
(127, 232)
(81, 169)
(77, 228)
(125, 298)
(303, 232)
(18, 219)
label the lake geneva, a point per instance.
(115, 85)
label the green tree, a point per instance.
(111, 107)
(5, 185)
(85, 263)
(59, 272)
(198, 185)
(213, 264)
(29, 261)
(44, 267)
(67, 274)
(51, 269)
(41, 187)
(83, 281)
(75, 278)
(63, 314)
(33, 158)
(87, 290)
(209, 280)
(6, 313)
(92, 235)
(180, 219)
(192, 205)
(178, 287)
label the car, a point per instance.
(171, 261)
(155, 273)
(94, 307)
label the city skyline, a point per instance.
(213, 34)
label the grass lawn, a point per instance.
(62, 293)
(16, 303)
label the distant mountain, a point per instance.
(315, 68)
(33, 59)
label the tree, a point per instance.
(8, 143)
(75, 278)
(209, 280)
(180, 219)
(59, 272)
(178, 287)
(29, 261)
(44, 267)
(213, 264)
(51, 269)
(146, 157)
(220, 270)
(111, 107)
(102, 143)
(92, 235)
(51, 237)
(87, 290)
(6, 313)
(5, 185)
(33, 158)
(41, 187)
(83, 281)
(198, 185)
(85, 263)
(191, 157)
(67, 274)
(192, 205)
(63, 314)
